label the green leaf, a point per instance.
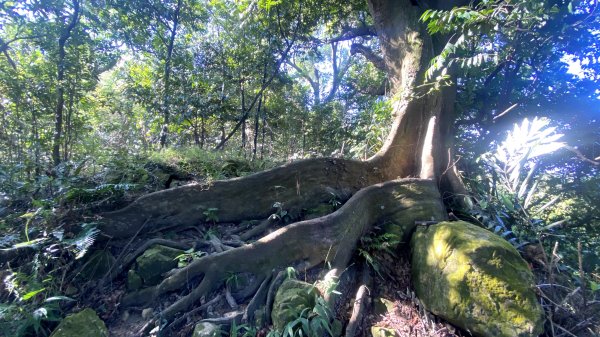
(58, 298)
(31, 294)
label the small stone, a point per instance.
(147, 313)
(134, 281)
(125, 316)
(206, 330)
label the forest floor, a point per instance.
(30, 279)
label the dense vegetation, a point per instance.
(105, 101)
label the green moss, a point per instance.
(291, 300)
(474, 279)
(134, 281)
(83, 323)
(155, 261)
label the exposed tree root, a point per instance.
(302, 184)
(331, 239)
(277, 281)
(176, 323)
(259, 299)
(360, 304)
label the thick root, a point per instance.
(331, 239)
(302, 184)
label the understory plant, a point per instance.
(510, 198)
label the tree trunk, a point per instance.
(406, 50)
(167, 77)
(380, 188)
(256, 125)
(60, 77)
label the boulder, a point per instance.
(155, 261)
(292, 298)
(475, 280)
(206, 330)
(84, 323)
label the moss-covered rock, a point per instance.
(84, 323)
(206, 330)
(475, 280)
(292, 298)
(155, 261)
(97, 265)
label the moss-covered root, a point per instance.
(305, 244)
(475, 280)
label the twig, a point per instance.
(552, 261)
(230, 300)
(564, 330)
(234, 316)
(109, 276)
(192, 312)
(581, 274)
(549, 315)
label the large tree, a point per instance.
(400, 184)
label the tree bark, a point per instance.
(371, 189)
(167, 77)
(60, 77)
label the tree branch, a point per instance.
(350, 33)
(377, 60)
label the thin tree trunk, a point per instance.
(244, 114)
(264, 125)
(167, 77)
(256, 126)
(195, 130)
(60, 76)
(68, 124)
(202, 132)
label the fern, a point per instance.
(81, 243)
